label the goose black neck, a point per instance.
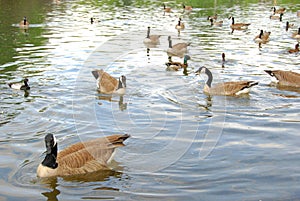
(299, 30)
(170, 43)
(25, 21)
(148, 33)
(50, 159)
(232, 20)
(210, 77)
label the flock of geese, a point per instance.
(95, 155)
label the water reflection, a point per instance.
(111, 98)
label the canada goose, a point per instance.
(278, 11)
(108, 84)
(215, 23)
(166, 9)
(225, 88)
(276, 17)
(285, 78)
(187, 8)
(296, 35)
(79, 158)
(223, 59)
(238, 26)
(151, 39)
(20, 85)
(24, 23)
(178, 49)
(175, 66)
(295, 50)
(262, 38)
(180, 25)
(214, 17)
(288, 25)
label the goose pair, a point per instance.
(178, 49)
(79, 158)
(238, 26)
(109, 85)
(151, 40)
(225, 88)
(20, 85)
(24, 23)
(285, 78)
(175, 66)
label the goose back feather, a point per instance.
(79, 158)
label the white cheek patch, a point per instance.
(54, 140)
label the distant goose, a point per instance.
(20, 85)
(294, 50)
(288, 25)
(175, 66)
(178, 49)
(276, 17)
(214, 17)
(225, 88)
(151, 39)
(262, 38)
(79, 158)
(215, 23)
(278, 11)
(296, 35)
(166, 9)
(180, 25)
(187, 8)
(223, 59)
(107, 84)
(93, 20)
(238, 26)
(24, 23)
(285, 78)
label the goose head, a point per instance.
(204, 70)
(51, 152)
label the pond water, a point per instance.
(184, 145)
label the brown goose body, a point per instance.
(79, 158)
(215, 23)
(24, 23)
(238, 26)
(225, 88)
(180, 25)
(166, 9)
(151, 39)
(295, 50)
(278, 11)
(178, 49)
(107, 84)
(187, 8)
(285, 78)
(296, 35)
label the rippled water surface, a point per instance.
(184, 145)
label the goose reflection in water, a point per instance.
(109, 98)
(98, 176)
